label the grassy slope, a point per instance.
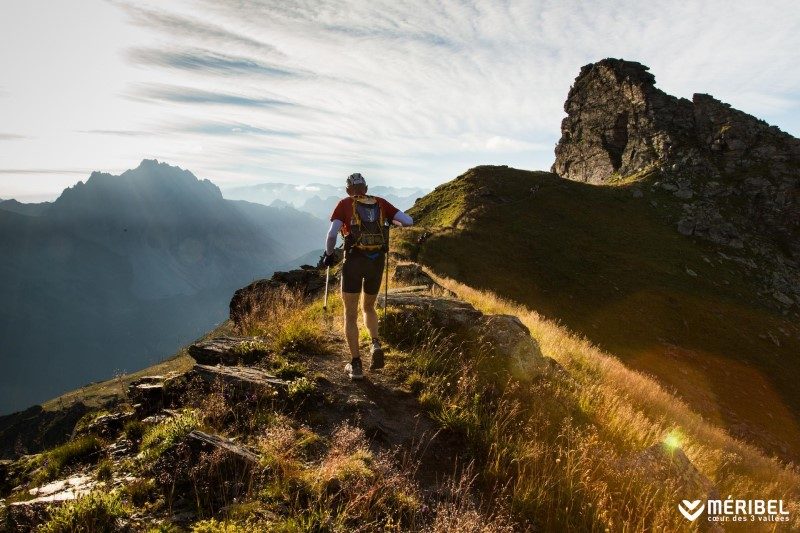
(607, 265)
(99, 393)
(564, 468)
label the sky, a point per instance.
(407, 93)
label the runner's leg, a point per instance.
(370, 315)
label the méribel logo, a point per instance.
(691, 510)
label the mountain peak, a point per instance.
(621, 69)
(151, 181)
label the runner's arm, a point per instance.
(402, 219)
(330, 243)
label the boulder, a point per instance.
(662, 463)
(201, 441)
(411, 274)
(107, 426)
(228, 351)
(505, 335)
(26, 515)
(241, 381)
(450, 314)
(509, 338)
(150, 394)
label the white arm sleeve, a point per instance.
(402, 219)
(330, 243)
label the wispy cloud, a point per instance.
(187, 95)
(207, 61)
(11, 137)
(412, 92)
(232, 129)
(192, 28)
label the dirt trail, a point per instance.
(389, 414)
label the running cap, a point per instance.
(356, 179)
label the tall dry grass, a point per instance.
(592, 473)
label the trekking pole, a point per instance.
(386, 285)
(327, 278)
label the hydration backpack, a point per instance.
(367, 230)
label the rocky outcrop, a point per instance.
(150, 394)
(504, 336)
(618, 123)
(741, 174)
(227, 351)
(306, 280)
(241, 381)
(107, 426)
(411, 274)
(713, 172)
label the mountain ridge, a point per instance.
(114, 261)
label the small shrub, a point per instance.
(301, 389)
(415, 383)
(159, 438)
(289, 370)
(251, 351)
(139, 491)
(215, 526)
(97, 511)
(308, 443)
(430, 400)
(360, 487)
(134, 430)
(215, 409)
(250, 346)
(268, 310)
(165, 528)
(105, 471)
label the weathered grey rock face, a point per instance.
(504, 335)
(739, 175)
(618, 123)
(411, 274)
(227, 351)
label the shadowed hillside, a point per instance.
(603, 261)
(121, 270)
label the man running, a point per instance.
(363, 222)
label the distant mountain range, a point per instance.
(317, 198)
(121, 270)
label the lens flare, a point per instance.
(672, 440)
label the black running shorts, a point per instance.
(358, 268)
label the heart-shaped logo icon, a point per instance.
(691, 510)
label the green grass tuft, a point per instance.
(97, 511)
(134, 430)
(105, 470)
(54, 461)
(163, 436)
